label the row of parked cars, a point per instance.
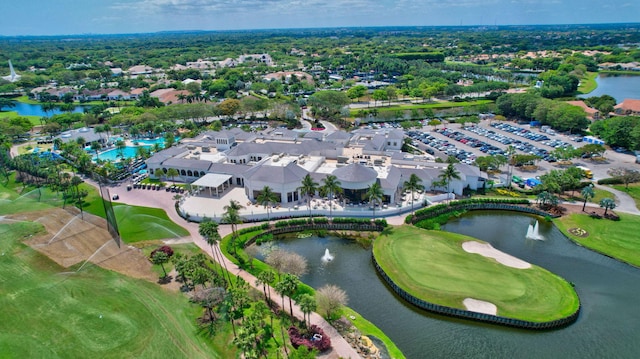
(444, 146)
(471, 141)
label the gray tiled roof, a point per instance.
(160, 157)
(355, 172)
(200, 165)
(276, 174)
(393, 178)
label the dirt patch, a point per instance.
(72, 238)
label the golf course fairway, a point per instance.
(434, 267)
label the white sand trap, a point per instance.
(480, 306)
(486, 250)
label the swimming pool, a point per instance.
(151, 142)
(114, 154)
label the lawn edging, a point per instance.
(465, 314)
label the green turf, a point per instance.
(14, 198)
(143, 223)
(588, 83)
(616, 239)
(35, 120)
(432, 265)
(48, 314)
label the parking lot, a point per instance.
(484, 139)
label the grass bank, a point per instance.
(614, 239)
(35, 120)
(91, 313)
(431, 265)
(588, 83)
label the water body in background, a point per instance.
(608, 326)
(618, 87)
(27, 109)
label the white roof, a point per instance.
(212, 180)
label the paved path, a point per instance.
(162, 199)
(624, 202)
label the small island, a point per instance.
(461, 276)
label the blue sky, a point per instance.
(61, 17)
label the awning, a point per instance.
(211, 180)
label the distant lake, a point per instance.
(27, 109)
(618, 87)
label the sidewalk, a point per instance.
(161, 199)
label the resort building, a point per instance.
(215, 162)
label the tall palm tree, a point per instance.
(309, 189)
(208, 229)
(265, 278)
(375, 195)
(289, 286)
(172, 172)
(232, 216)
(266, 197)
(448, 174)
(307, 305)
(413, 185)
(331, 186)
(587, 193)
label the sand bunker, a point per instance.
(480, 306)
(486, 250)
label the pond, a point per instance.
(27, 109)
(618, 87)
(608, 326)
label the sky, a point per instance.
(67, 17)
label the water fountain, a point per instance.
(327, 257)
(533, 232)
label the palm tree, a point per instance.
(120, 145)
(172, 172)
(232, 216)
(208, 229)
(331, 186)
(448, 174)
(413, 185)
(309, 189)
(265, 278)
(158, 173)
(95, 147)
(587, 193)
(307, 305)
(607, 204)
(288, 286)
(375, 194)
(265, 198)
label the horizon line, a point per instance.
(314, 28)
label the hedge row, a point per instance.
(292, 222)
(612, 180)
(378, 222)
(253, 229)
(426, 211)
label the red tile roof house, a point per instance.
(169, 96)
(592, 113)
(628, 107)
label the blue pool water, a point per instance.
(114, 154)
(152, 142)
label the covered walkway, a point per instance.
(219, 182)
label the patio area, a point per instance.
(197, 207)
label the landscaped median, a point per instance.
(461, 276)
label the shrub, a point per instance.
(611, 181)
(166, 249)
(321, 220)
(306, 339)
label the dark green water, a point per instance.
(608, 326)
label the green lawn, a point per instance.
(588, 83)
(35, 120)
(616, 239)
(633, 191)
(432, 265)
(93, 313)
(416, 106)
(143, 223)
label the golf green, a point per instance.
(433, 266)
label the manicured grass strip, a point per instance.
(615, 239)
(588, 83)
(94, 313)
(143, 223)
(16, 199)
(436, 105)
(432, 265)
(35, 120)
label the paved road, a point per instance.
(624, 202)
